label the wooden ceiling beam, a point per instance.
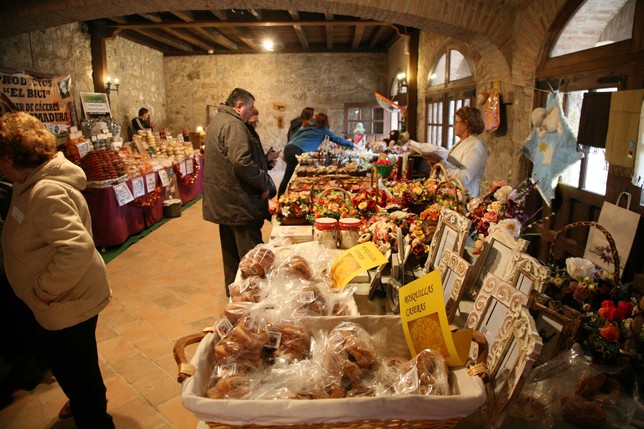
(300, 35)
(217, 37)
(357, 37)
(221, 14)
(212, 35)
(184, 16)
(166, 40)
(376, 37)
(230, 24)
(188, 38)
(152, 17)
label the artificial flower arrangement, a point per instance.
(332, 203)
(423, 230)
(294, 205)
(382, 229)
(410, 193)
(368, 202)
(612, 314)
(503, 205)
(385, 164)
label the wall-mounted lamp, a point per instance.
(401, 76)
(109, 86)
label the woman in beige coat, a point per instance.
(51, 262)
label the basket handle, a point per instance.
(609, 238)
(320, 180)
(438, 170)
(453, 183)
(185, 368)
(347, 196)
(479, 368)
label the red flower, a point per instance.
(609, 332)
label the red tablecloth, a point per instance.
(113, 224)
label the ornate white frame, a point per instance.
(528, 273)
(556, 324)
(493, 315)
(519, 348)
(497, 255)
(454, 224)
(454, 269)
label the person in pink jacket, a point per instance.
(51, 261)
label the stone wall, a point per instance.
(59, 50)
(282, 84)
(140, 71)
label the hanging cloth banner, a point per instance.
(45, 97)
(492, 109)
(623, 124)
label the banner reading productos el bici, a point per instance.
(46, 98)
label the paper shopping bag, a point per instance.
(621, 223)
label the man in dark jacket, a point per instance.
(236, 187)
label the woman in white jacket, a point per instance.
(51, 261)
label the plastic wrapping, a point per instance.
(569, 391)
(257, 262)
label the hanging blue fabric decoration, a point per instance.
(551, 146)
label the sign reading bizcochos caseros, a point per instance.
(47, 98)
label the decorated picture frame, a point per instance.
(451, 232)
(493, 312)
(497, 255)
(518, 348)
(454, 271)
(528, 273)
(557, 324)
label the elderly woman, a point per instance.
(467, 158)
(51, 262)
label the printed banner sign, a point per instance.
(46, 98)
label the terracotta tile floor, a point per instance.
(168, 285)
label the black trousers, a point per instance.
(236, 241)
(73, 359)
(290, 150)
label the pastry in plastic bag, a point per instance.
(256, 262)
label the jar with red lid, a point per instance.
(349, 232)
(326, 231)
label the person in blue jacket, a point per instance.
(307, 139)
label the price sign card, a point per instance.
(138, 187)
(182, 168)
(122, 194)
(354, 261)
(163, 175)
(189, 167)
(83, 148)
(424, 320)
(151, 181)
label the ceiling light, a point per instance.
(211, 51)
(268, 44)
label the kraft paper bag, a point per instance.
(621, 223)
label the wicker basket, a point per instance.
(318, 200)
(609, 238)
(413, 411)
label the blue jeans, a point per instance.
(290, 151)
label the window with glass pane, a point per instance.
(591, 172)
(458, 66)
(596, 23)
(437, 76)
(372, 118)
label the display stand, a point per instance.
(113, 224)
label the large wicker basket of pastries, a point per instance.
(272, 370)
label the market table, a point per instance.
(113, 224)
